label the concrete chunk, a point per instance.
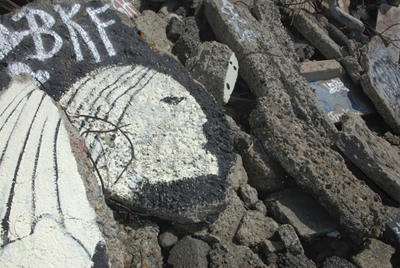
(215, 66)
(373, 155)
(189, 252)
(381, 82)
(374, 254)
(302, 211)
(290, 239)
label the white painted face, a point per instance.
(163, 121)
(231, 77)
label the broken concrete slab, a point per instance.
(339, 95)
(374, 254)
(381, 82)
(288, 115)
(316, 35)
(373, 155)
(189, 39)
(215, 66)
(302, 211)
(125, 7)
(386, 23)
(153, 30)
(249, 195)
(176, 128)
(47, 209)
(321, 70)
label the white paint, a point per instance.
(246, 34)
(125, 7)
(231, 77)
(335, 85)
(72, 26)
(16, 68)
(35, 31)
(49, 212)
(8, 40)
(335, 117)
(101, 25)
(168, 138)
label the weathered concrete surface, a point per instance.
(152, 29)
(337, 262)
(101, 67)
(52, 209)
(295, 261)
(290, 239)
(321, 70)
(215, 66)
(381, 82)
(189, 252)
(374, 254)
(299, 209)
(388, 17)
(372, 155)
(316, 35)
(288, 120)
(255, 228)
(238, 175)
(230, 255)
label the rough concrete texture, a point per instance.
(168, 238)
(353, 68)
(321, 70)
(373, 155)
(215, 66)
(263, 174)
(374, 254)
(238, 175)
(302, 211)
(233, 256)
(175, 28)
(141, 242)
(381, 82)
(255, 228)
(288, 260)
(153, 30)
(337, 262)
(189, 252)
(51, 204)
(189, 40)
(249, 195)
(225, 227)
(86, 67)
(316, 35)
(272, 246)
(388, 16)
(289, 115)
(290, 239)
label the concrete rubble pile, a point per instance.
(201, 133)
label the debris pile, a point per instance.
(208, 133)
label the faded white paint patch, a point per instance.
(165, 126)
(231, 77)
(46, 219)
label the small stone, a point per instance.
(167, 238)
(260, 207)
(189, 252)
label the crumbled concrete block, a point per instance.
(260, 207)
(374, 254)
(175, 28)
(168, 238)
(215, 66)
(189, 39)
(231, 255)
(295, 261)
(272, 246)
(249, 195)
(290, 239)
(353, 68)
(388, 16)
(302, 211)
(189, 252)
(316, 36)
(381, 82)
(255, 228)
(371, 154)
(337, 262)
(238, 175)
(321, 70)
